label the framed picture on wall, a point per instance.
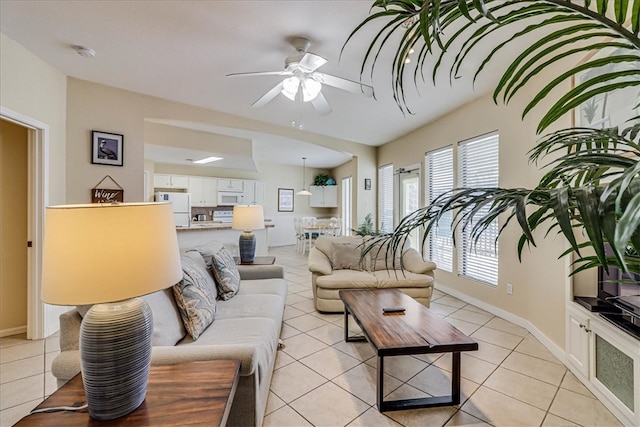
(285, 199)
(367, 183)
(106, 148)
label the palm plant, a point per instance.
(592, 184)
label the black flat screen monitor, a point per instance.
(619, 288)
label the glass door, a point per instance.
(410, 201)
(346, 206)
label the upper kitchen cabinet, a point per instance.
(203, 191)
(231, 185)
(170, 181)
(323, 196)
(253, 192)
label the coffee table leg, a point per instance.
(455, 380)
(380, 383)
(346, 324)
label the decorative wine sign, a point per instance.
(107, 195)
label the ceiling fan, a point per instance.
(302, 80)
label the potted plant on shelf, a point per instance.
(592, 185)
(321, 179)
(366, 228)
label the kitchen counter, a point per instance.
(202, 232)
(212, 225)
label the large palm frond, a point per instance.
(593, 184)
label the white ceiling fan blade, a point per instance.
(311, 61)
(267, 97)
(321, 105)
(344, 84)
(261, 73)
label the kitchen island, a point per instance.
(201, 232)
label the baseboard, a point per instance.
(557, 351)
(13, 331)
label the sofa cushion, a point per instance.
(347, 279)
(251, 340)
(168, 327)
(402, 279)
(382, 259)
(225, 271)
(264, 286)
(347, 256)
(323, 243)
(207, 251)
(195, 294)
(243, 306)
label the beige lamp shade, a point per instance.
(248, 217)
(104, 253)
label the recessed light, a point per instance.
(206, 160)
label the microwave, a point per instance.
(230, 198)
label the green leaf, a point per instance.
(635, 17)
(620, 8)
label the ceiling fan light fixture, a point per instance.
(310, 89)
(290, 87)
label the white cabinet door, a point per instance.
(170, 181)
(195, 188)
(259, 193)
(253, 192)
(323, 196)
(230, 185)
(331, 196)
(578, 336)
(203, 191)
(210, 192)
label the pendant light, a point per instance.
(304, 191)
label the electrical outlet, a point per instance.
(509, 289)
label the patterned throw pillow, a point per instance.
(195, 295)
(226, 273)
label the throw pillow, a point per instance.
(226, 273)
(346, 256)
(195, 295)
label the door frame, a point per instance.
(38, 197)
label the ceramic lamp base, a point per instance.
(247, 246)
(115, 356)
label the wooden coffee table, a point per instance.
(197, 393)
(415, 331)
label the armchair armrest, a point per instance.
(413, 262)
(255, 272)
(319, 263)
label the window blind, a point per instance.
(478, 167)
(439, 175)
(385, 198)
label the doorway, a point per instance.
(409, 200)
(42, 320)
(13, 228)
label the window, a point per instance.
(385, 199)
(346, 205)
(439, 174)
(478, 167)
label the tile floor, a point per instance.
(512, 380)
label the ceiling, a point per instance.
(182, 50)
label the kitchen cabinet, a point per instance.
(170, 181)
(236, 185)
(323, 196)
(253, 192)
(203, 191)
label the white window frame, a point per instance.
(346, 205)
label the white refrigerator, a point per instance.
(181, 203)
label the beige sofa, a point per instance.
(245, 327)
(336, 263)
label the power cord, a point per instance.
(60, 408)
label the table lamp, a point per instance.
(107, 255)
(247, 218)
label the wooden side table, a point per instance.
(194, 393)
